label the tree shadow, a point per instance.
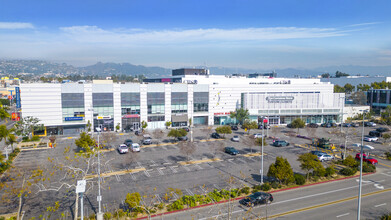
(208, 155)
(177, 158)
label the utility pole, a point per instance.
(361, 160)
(263, 136)
(100, 214)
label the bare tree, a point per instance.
(158, 134)
(107, 138)
(218, 146)
(276, 130)
(131, 157)
(187, 148)
(310, 131)
(248, 141)
(207, 131)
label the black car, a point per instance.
(381, 130)
(313, 125)
(215, 135)
(369, 124)
(257, 198)
(231, 150)
(138, 132)
(280, 143)
(234, 127)
(184, 138)
(128, 142)
(375, 134)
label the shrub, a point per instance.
(25, 139)
(35, 138)
(189, 200)
(330, 171)
(119, 213)
(348, 171)
(234, 193)
(107, 216)
(368, 168)
(388, 155)
(245, 190)
(257, 187)
(2, 218)
(215, 195)
(92, 216)
(274, 185)
(350, 162)
(315, 178)
(386, 217)
(299, 179)
(265, 187)
(319, 172)
(177, 205)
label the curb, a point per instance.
(238, 198)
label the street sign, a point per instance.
(99, 198)
(81, 186)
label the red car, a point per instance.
(367, 159)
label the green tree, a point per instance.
(4, 115)
(340, 74)
(224, 130)
(359, 97)
(11, 140)
(4, 132)
(133, 199)
(26, 126)
(250, 125)
(281, 170)
(349, 88)
(240, 115)
(89, 125)
(386, 115)
(176, 133)
(386, 137)
(144, 125)
(298, 123)
(117, 127)
(325, 75)
(339, 89)
(168, 124)
(309, 162)
(1, 156)
(85, 142)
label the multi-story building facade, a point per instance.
(207, 100)
(379, 99)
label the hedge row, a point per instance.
(7, 164)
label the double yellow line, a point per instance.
(327, 204)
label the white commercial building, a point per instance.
(206, 99)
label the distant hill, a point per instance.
(39, 67)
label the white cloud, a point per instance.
(16, 25)
(94, 34)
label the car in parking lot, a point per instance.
(325, 157)
(367, 159)
(257, 198)
(375, 134)
(382, 129)
(328, 125)
(123, 149)
(280, 143)
(312, 125)
(316, 152)
(235, 138)
(231, 150)
(355, 125)
(371, 139)
(346, 125)
(183, 138)
(234, 127)
(369, 124)
(135, 147)
(258, 135)
(215, 135)
(147, 141)
(128, 142)
(186, 129)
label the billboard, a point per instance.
(17, 99)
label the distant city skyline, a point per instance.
(174, 34)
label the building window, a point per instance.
(179, 102)
(130, 99)
(155, 118)
(130, 110)
(201, 101)
(72, 107)
(102, 99)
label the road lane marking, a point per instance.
(121, 172)
(173, 169)
(186, 168)
(199, 167)
(338, 216)
(385, 174)
(133, 177)
(384, 165)
(380, 205)
(160, 171)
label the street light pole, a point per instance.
(343, 98)
(263, 124)
(100, 214)
(191, 125)
(361, 160)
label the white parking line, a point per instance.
(147, 174)
(139, 165)
(241, 160)
(175, 147)
(158, 198)
(133, 177)
(385, 174)
(173, 169)
(216, 186)
(175, 195)
(380, 205)
(189, 192)
(160, 171)
(203, 190)
(199, 167)
(338, 216)
(153, 163)
(231, 161)
(186, 168)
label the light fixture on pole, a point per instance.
(80, 189)
(361, 161)
(99, 198)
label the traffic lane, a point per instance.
(372, 207)
(295, 199)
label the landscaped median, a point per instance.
(7, 164)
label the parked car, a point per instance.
(257, 198)
(375, 134)
(369, 124)
(371, 139)
(186, 129)
(347, 125)
(313, 125)
(184, 138)
(138, 132)
(280, 143)
(328, 125)
(128, 142)
(316, 152)
(265, 126)
(123, 149)
(235, 138)
(147, 141)
(381, 130)
(367, 159)
(215, 135)
(258, 135)
(231, 150)
(323, 157)
(135, 147)
(234, 127)
(289, 125)
(355, 125)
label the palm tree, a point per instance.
(4, 115)
(11, 140)
(3, 132)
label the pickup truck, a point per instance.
(367, 159)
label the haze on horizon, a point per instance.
(172, 34)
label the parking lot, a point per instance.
(161, 166)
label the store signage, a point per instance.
(17, 94)
(190, 81)
(280, 99)
(131, 116)
(104, 117)
(222, 113)
(73, 118)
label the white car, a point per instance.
(368, 147)
(323, 157)
(258, 135)
(371, 139)
(135, 147)
(123, 149)
(235, 138)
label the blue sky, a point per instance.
(182, 33)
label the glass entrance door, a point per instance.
(136, 126)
